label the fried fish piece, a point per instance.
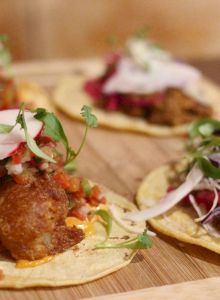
(32, 219)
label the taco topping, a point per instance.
(44, 208)
(201, 187)
(146, 81)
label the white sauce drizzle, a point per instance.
(147, 69)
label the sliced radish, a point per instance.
(9, 142)
(171, 199)
(7, 150)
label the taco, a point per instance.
(182, 200)
(12, 92)
(143, 89)
(56, 228)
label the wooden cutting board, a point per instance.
(120, 160)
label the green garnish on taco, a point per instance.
(56, 228)
(182, 200)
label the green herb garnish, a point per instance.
(204, 141)
(5, 56)
(91, 120)
(141, 241)
(208, 168)
(142, 32)
(32, 145)
(86, 187)
(107, 219)
(54, 129)
(70, 167)
(4, 128)
(204, 128)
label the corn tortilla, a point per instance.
(179, 221)
(34, 95)
(79, 265)
(69, 97)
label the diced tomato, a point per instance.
(75, 184)
(75, 212)
(17, 158)
(103, 200)
(63, 179)
(93, 201)
(79, 194)
(95, 192)
(18, 154)
(45, 139)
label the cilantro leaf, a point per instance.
(5, 56)
(91, 122)
(208, 168)
(86, 187)
(4, 128)
(52, 126)
(90, 119)
(54, 129)
(204, 128)
(107, 220)
(142, 32)
(142, 241)
(32, 145)
(70, 167)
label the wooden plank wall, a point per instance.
(74, 28)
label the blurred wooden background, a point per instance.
(44, 29)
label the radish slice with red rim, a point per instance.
(9, 142)
(7, 150)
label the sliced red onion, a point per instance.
(208, 227)
(204, 185)
(195, 205)
(211, 216)
(171, 199)
(214, 204)
(215, 157)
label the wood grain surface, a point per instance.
(46, 29)
(120, 160)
